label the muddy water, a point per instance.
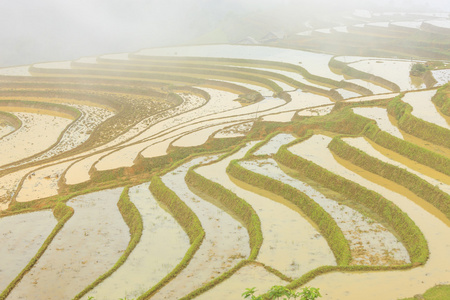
(422, 143)
(315, 63)
(54, 65)
(317, 111)
(442, 76)
(157, 149)
(283, 247)
(15, 71)
(87, 246)
(370, 242)
(38, 132)
(272, 146)
(80, 130)
(362, 144)
(302, 100)
(21, 237)
(41, 183)
(200, 136)
(380, 116)
(424, 109)
(252, 275)
(425, 170)
(376, 89)
(225, 243)
(8, 186)
(79, 171)
(374, 97)
(5, 129)
(260, 89)
(396, 71)
(383, 285)
(126, 156)
(346, 94)
(152, 259)
(234, 131)
(280, 117)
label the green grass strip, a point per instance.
(133, 219)
(187, 220)
(327, 225)
(408, 232)
(412, 151)
(412, 182)
(62, 213)
(442, 100)
(415, 126)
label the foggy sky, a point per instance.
(49, 30)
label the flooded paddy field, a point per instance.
(22, 236)
(292, 255)
(37, 133)
(87, 246)
(134, 124)
(152, 259)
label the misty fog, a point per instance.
(52, 30)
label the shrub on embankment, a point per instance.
(327, 225)
(412, 182)
(187, 219)
(415, 126)
(409, 234)
(62, 213)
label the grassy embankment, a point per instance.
(414, 183)
(442, 99)
(422, 129)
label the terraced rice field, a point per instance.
(198, 171)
